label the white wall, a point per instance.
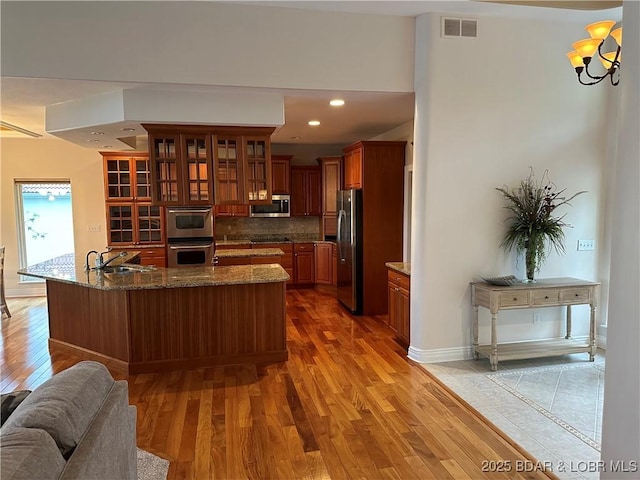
(486, 110)
(44, 159)
(207, 43)
(621, 415)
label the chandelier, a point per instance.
(584, 51)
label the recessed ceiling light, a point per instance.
(128, 129)
(92, 140)
(97, 133)
(296, 138)
(337, 102)
(314, 123)
(107, 146)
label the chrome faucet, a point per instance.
(102, 263)
(86, 263)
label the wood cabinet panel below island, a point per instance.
(162, 319)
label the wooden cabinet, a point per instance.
(200, 164)
(376, 168)
(148, 256)
(398, 286)
(304, 263)
(197, 173)
(280, 174)
(353, 167)
(181, 166)
(133, 223)
(286, 260)
(334, 263)
(231, 210)
(306, 191)
(242, 159)
(258, 168)
(323, 263)
(331, 168)
(127, 176)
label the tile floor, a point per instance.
(552, 407)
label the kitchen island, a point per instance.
(159, 319)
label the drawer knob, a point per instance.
(546, 296)
(515, 299)
(577, 295)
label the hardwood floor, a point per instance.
(347, 404)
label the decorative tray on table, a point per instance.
(505, 281)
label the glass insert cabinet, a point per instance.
(202, 165)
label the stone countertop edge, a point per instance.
(402, 267)
(70, 269)
(249, 252)
(290, 239)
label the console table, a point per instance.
(549, 292)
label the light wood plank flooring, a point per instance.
(347, 404)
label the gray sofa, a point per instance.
(76, 425)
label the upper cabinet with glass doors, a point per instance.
(203, 164)
(181, 166)
(127, 176)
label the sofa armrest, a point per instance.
(108, 448)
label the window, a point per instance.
(45, 221)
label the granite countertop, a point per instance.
(70, 269)
(402, 267)
(249, 252)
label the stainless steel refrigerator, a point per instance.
(349, 240)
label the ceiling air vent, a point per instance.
(459, 27)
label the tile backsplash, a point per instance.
(239, 228)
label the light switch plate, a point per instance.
(93, 228)
(586, 244)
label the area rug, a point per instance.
(151, 467)
(571, 396)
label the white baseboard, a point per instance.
(30, 291)
(601, 337)
(440, 354)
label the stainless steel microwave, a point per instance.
(279, 207)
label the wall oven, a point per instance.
(189, 222)
(190, 240)
(190, 253)
(279, 207)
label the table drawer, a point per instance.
(546, 297)
(399, 279)
(514, 299)
(576, 295)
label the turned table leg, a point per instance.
(592, 334)
(494, 341)
(568, 335)
(475, 332)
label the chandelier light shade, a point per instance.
(584, 50)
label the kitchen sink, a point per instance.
(118, 269)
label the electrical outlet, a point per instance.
(93, 228)
(586, 244)
(536, 318)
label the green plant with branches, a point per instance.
(532, 227)
(29, 224)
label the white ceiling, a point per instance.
(365, 114)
